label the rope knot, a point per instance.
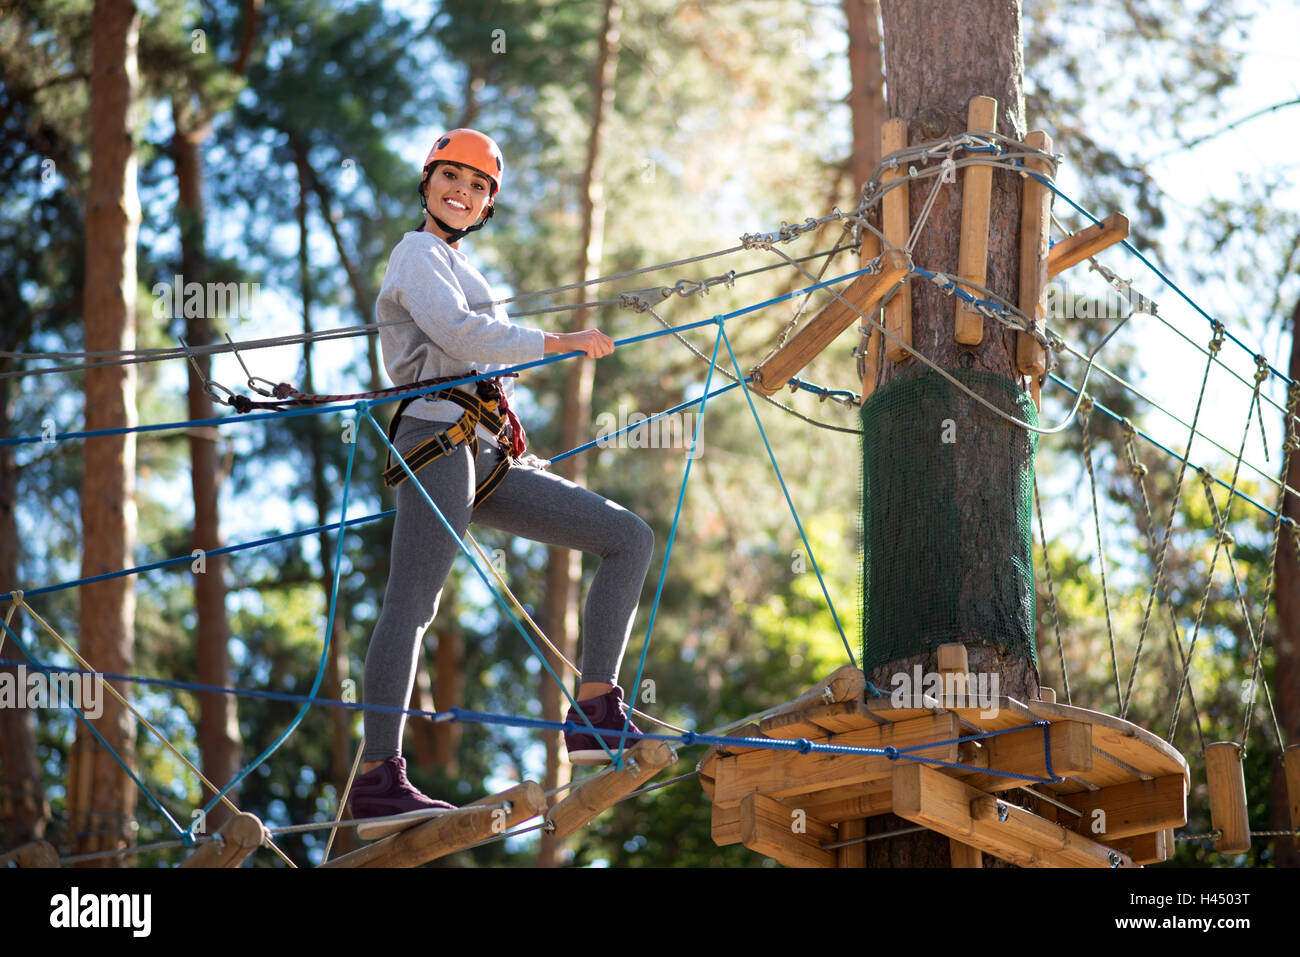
(891, 752)
(1138, 469)
(1261, 369)
(1216, 341)
(803, 746)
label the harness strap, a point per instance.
(478, 411)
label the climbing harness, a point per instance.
(486, 407)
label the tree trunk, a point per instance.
(23, 809)
(867, 94)
(937, 57)
(101, 799)
(1286, 675)
(564, 566)
(219, 739)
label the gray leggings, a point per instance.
(529, 502)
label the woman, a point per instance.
(465, 449)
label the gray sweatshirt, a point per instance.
(429, 282)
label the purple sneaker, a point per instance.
(384, 793)
(606, 713)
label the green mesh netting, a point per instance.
(947, 499)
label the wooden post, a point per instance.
(1227, 781)
(963, 855)
(599, 792)
(973, 253)
(450, 832)
(1035, 232)
(1046, 694)
(1291, 764)
(34, 854)
(852, 855)
(238, 838)
(895, 218)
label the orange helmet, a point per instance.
(469, 148)
(465, 148)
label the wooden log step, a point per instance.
(451, 832)
(1087, 242)
(1228, 812)
(601, 791)
(238, 838)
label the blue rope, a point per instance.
(181, 832)
(771, 455)
(481, 574)
(672, 535)
(1150, 265)
(329, 628)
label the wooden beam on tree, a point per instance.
(976, 196)
(790, 836)
(238, 838)
(895, 217)
(602, 790)
(871, 358)
(450, 832)
(1126, 809)
(1035, 234)
(822, 329)
(963, 855)
(1086, 242)
(784, 773)
(1064, 848)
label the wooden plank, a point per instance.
(1035, 233)
(976, 196)
(597, 793)
(1068, 744)
(1135, 808)
(1227, 782)
(1291, 767)
(1087, 242)
(955, 809)
(785, 773)
(239, 837)
(822, 329)
(792, 838)
(819, 721)
(450, 832)
(895, 218)
(851, 855)
(725, 826)
(963, 855)
(834, 805)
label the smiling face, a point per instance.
(457, 195)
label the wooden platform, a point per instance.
(1122, 791)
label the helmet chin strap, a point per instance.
(453, 234)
